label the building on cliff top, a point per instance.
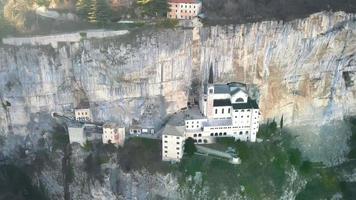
(183, 9)
(226, 110)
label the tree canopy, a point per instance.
(189, 147)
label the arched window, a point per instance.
(240, 100)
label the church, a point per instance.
(225, 110)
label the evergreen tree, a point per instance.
(281, 122)
(83, 8)
(99, 12)
(189, 147)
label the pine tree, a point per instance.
(99, 12)
(83, 8)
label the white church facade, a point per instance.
(226, 111)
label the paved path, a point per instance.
(210, 151)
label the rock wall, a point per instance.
(303, 70)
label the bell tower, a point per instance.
(210, 94)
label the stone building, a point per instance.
(183, 9)
(113, 133)
(82, 112)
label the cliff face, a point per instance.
(303, 70)
(125, 78)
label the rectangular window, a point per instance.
(222, 111)
(228, 111)
(216, 111)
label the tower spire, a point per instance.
(211, 75)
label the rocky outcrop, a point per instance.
(303, 70)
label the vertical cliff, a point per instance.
(303, 69)
(138, 76)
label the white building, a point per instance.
(183, 9)
(82, 113)
(173, 139)
(226, 110)
(112, 133)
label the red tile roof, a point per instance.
(183, 1)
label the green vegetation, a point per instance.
(142, 153)
(16, 184)
(168, 23)
(154, 8)
(352, 141)
(43, 2)
(88, 146)
(16, 13)
(60, 137)
(264, 170)
(189, 147)
(100, 154)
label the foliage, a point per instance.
(295, 157)
(83, 8)
(15, 12)
(281, 122)
(352, 141)
(142, 153)
(189, 147)
(43, 2)
(60, 138)
(6, 28)
(168, 23)
(92, 166)
(88, 146)
(94, 11)
(155, 8)
(16, 184)
(322, 186)
(70, 173)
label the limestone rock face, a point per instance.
(304, 70)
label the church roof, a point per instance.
(221, 89)
(250, 104)
(222, 102)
